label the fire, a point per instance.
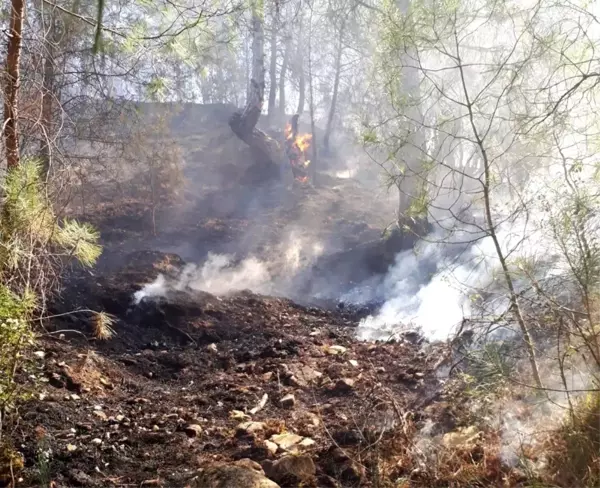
(303, 142)
(297, 149)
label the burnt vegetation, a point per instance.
(299, 243)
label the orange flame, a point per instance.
(301, 142)
(297, 147)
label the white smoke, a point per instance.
(434, 287)
(221, 274)
(218, 275)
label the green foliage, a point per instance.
(490, 365)
(28, 226)
(32, 243)
(16, 337)
(419, 204)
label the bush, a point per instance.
(33, 245)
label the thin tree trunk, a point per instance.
(273, 64)
(258, 45)
(266, 152)
(12, 82)
(282, 76)
(491, 229)
(48, 97)
(301, 90)
(313, 160)
(300, 68)
(336, 85)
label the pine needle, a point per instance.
(102, 323)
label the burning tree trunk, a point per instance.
(11, 84)
(296, 148)
(266, 151)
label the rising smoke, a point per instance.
(223, 274)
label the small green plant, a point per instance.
(43, 458)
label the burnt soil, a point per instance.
(165, 396)
(115, 412)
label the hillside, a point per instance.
(234, 361)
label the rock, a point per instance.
(80, 478)
(339, 465)
(293, 381)
(268, 376)
(230, 476)
(307, 442)
(39, 354)
(248, 463)
(271, 446)
(302, 375)
(71, 447)
(343, 386)
(250, 427)
(212, 348)
(96, 441)
(308, 419)
(353, 362)
(334, 350)
(286, 441)
(291, 470)
(100, 414)
(288, 401)
(193, 430)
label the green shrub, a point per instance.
(33, 245)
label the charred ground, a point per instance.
(174, 390)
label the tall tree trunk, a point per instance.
(411, 179)
(273, 64)
(301, 89)
(336, 85)
(48, 94)
(282, 75)
(266, 152)
(12, 82)
(313, 159)
(300, 68)
(243, 123)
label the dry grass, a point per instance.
(574, 452)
